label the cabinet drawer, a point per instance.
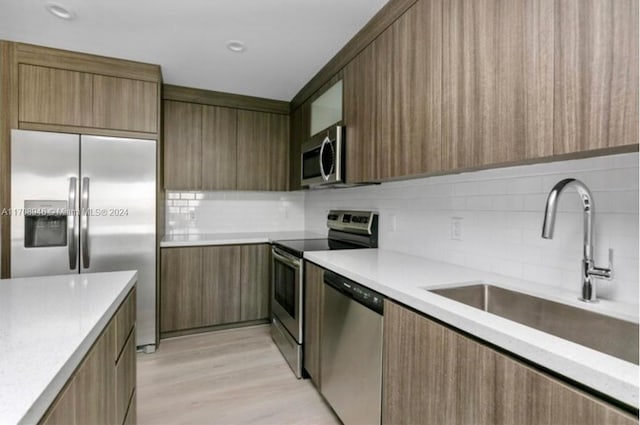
(125, 378)
(124, 320)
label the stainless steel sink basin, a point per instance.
(606, 334)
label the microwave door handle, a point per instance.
(72, 224)
(326, 141)
(84, 223)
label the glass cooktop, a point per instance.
(298, 246)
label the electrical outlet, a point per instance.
(456, 228)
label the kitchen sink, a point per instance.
(609, 335)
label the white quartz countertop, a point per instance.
(47, 326)
(201, 239)
(403, 278)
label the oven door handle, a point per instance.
(285, 259)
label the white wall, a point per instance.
(229, 212)
(502, 212)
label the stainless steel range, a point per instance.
(347, 230)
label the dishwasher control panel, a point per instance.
(362, 294)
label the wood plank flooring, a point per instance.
(227, 377)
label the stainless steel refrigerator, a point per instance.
(85, 204)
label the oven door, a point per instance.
(286, 295)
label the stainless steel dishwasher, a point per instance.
(351, 350)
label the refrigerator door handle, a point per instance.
(72, 236)
(84, 223)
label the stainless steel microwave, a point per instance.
(323, 158)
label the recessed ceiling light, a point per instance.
(60, 11)
(236, 46)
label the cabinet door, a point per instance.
(95, 395)
(497, 81)
(181, 289)
(220, 299)
(63, 410)
(314, 291)
(218, 148)
(125, 104)
(254, 282)
(409, 71)
(596, 74)
(262, 151)
(360, 116)
(182, 145)
(300, 128)
(54, 96)
(433, 374)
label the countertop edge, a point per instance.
(49, 394)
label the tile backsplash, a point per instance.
(492, 220)
(229, 212)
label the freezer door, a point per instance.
(118, 217)
(44, 185)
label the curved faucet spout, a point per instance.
(588, 268)
(588, 207)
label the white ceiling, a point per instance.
(288, 41)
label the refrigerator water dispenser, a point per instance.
(45, 223)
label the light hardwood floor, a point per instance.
(227, 377)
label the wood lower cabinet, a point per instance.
(102, 389)
(213, 285)
(255, 275)
(220, 299)
(181, 289)
(313, 298)
(434, 374)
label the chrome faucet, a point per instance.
(589, 270)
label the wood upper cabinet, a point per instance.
(497, 81)
(359, 111)
(392, 99)
(596, 74)
(408, 89)
(125, 104)
(81, 99)
(313, 299)
(254, 282)
(213, 285)
(433, 374)
(182, 145)
(218, 148)
(54, 96)
(300, 126)
(263, 151)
